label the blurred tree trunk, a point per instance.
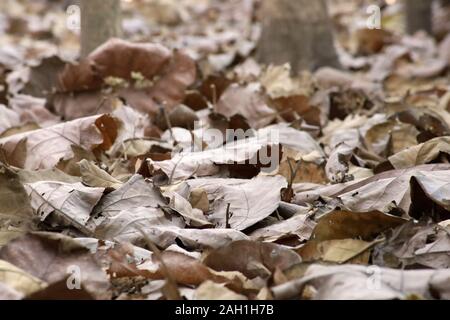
(100, 21)
(418, 15)
(298, 32)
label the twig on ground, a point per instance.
(227, 217)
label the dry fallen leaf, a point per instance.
(95, 177)
(350, 282)
(71, 202)
(336, 251)
(44, 148)
(161, 77)
(241, 199)
(299, 226)
(385, 192)
(253, 259)
(209, 290)
(423, 244)
(18, 280)
(15, 206)
(183, 168)
(52, 258)
(253, 105)
(354, 225)
(256, 151)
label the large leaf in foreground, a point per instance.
(53, 258)
(354, 282)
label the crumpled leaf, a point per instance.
(132, 126)
(51, 257)
(415, 244)
(44, 148)
(242, 198)
(165, 77)
(33, 110)
(423, 153)
(370, 41)
(161, 230)
(251, 102)
(260, 150)
(299, 226)
(352, 282)
(385, 192)
(135, 193)
(177, 266)
(72, 202)
(198, 199)
(193, 217)
(59, 291)
(298, 168)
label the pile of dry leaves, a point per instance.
(112, 181)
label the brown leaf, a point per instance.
(166, 76)
(249, 102)
(59, 291)
(15, 207)
(199, 199)
(46, 147)
(372, 41)
(336, 251)
(116, 58)
(253, 259)
(184, 269)
(423, 153)
(354, 225)
(42, 80)
(296, 106)
(51, 257)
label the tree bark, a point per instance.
(418, 15)
(100, 21)
(298, 32)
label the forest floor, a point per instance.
(171, 165)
